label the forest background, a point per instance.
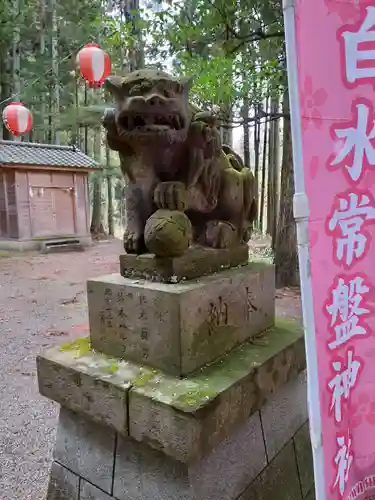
(235, 51)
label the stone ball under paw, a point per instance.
(168, 233)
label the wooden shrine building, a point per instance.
(43, 195)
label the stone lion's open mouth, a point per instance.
(150, 122)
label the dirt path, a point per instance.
(43, 302)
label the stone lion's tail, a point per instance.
(234, 159)
(250, 195)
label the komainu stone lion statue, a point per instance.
(172, 159)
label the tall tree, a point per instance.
(5, 69)
(54, 82)
(286, 259)
(42, 53)
(263, 174)
(16, 58)
(273, 173)
(246, 131)
(97, 223)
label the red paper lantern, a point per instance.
(94, 64)
(17, 118)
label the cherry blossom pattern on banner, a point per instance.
(354, 142)
(347, 11)
(298, 5)
(313, 237)
(351, 213)
(363, 410)
(314, 167)
(357, 51)
(311, 100)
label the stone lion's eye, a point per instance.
(167, 93)
(136, 89)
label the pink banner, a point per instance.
(336, 72)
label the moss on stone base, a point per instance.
(81, 347)
(191, 393)
(184, 417)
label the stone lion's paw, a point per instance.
(220, 234)
(171, 196)
(133, 242)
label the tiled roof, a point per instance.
(29, 153)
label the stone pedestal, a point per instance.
(180, 327)
(174, 427)
(195, 263)
(93, 463)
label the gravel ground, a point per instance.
(43, 302)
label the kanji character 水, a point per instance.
(357, 139)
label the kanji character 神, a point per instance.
(342, 383)
(343, 460)
(357, 56)
(354, 211)
(357, 140)
(345, 310)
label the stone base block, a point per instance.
(63, 484)
(195, 263)
(252, 463)
(186, 418)
(179, 328)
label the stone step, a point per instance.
(180, 327)
(61, 245)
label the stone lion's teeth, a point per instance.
(176, 122)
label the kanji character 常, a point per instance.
(354, 211)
